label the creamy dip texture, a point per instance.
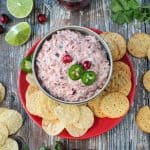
(53, 73)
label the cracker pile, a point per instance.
(113, 102)
(57, 116)
(138, 46)
(10, 123)
(77, 119)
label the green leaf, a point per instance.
(129, 16)
(43, 147)
(116, 18)
(123, 17)
(116, 6)
(59, 146)
(124, 4)
(137, 14)
(145, 15)
(25, 147)
(125, 11)
(134, 4)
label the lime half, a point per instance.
(20, 8)
(18, 34)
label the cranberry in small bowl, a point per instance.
(72, 64)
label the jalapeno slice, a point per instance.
(75, 71)
(26, 64)
(89, 77)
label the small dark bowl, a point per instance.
(82, 30)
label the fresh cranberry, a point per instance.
(67, 59)
(4, 19)
(1, 29)
(86, 65)
(42, 18)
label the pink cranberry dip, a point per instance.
(52, 72)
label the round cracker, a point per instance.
(31, 89)
(121, 66)
(12, 119)
(112, 45)
(143, 119)
(48, 110)
(146, 80)
(39, 104)
(31, 80)
(148, 54)
(86, 118)
(32, 101)
(120, 82)
(3, 134)
(117, 44)
(114, 105)
(138, 45)
(10, 145)
(53, 127)
(67, 113)
(74, 131)
(2, 92)
(94, 105)
(2, 109)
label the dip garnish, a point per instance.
(67, 59)
(89, 77)
(86, 65)
(26, 64)
(75, 71)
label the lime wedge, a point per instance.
(20, 8)
(18, 34)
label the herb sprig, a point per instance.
(125, 11)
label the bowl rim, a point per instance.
(80, 29)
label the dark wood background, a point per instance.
(126, 136)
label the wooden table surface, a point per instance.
(125, 136)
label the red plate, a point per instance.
(101, 125)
